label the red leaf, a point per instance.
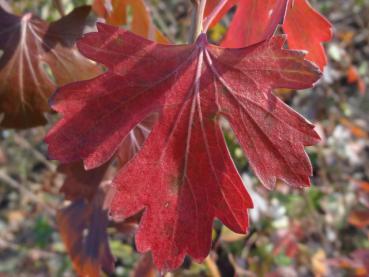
(82, 188)
(80, 183)
(184, 177)
(31, 45)
(305, 27)
(211, 5)
(359, 218)
(89, 253)
(263, 18)
(307, 30)
(134, 141)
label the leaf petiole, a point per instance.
(209, 19)
(198, 18)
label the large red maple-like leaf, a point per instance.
(184, 177)
(37, 57)
(305, 27)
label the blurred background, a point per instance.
(321, 231)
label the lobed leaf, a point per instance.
(184, 177)
(305, 27)
(37, 57)
(263, 17)
(82, 227)
(84, 184)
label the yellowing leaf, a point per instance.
(319, 263)
(115, 12)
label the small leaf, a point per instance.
(263, 18)
(307, 30)
(82, 187)
(79, 183)
(359, 218)
(82, 227)
(37, 57)
(115, 13)
(305, 27)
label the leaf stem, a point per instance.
(209, 19)
(59, 6)
(198, 18)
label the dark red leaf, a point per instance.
(32, 47)
(134, 141)
(82, 227)
(81, 187)
(80, 183)
(184, 177)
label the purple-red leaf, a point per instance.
(183, 177)
(83, 230)
(82, 187)
(37, 57)
(79, 183)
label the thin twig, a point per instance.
(22, 188)
(38, 155)
(197, 19)
(16, 247)
(161, 23)
(59, 6)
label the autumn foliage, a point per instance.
(148, 114)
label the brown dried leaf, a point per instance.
(37, 57)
